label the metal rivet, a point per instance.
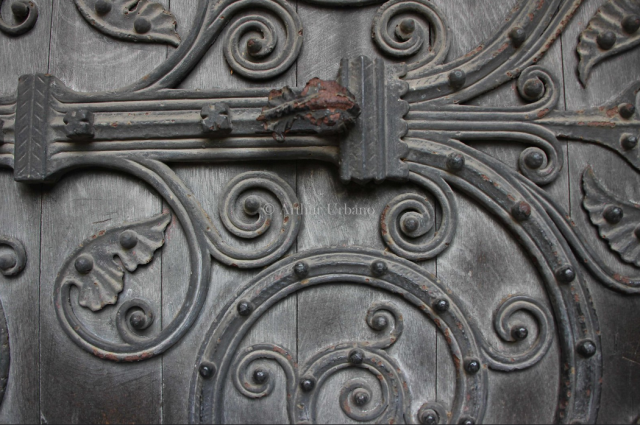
(467, 421)
(534, 160)
(626, 110)
(103, 7)
(138, 320)
(631, 24)
(7, 261)
(307, 384)
(142, 25)
(84, 263)
(636, 232)
(441, 305)
(521, 211)
(457, 78)
(301, 269)
(356, 356)
(378, 268)
(612, 214)
(260, 376)
(254, 45)
(533, 89)
(409, 224)
(360, 398)
(606, 40)
(128, 239)
(455, 162)
(519, 333)
(429, 417)
(207, 370)
(565, 274)
(517, 36)
(472, 366)
(587, 348)
(379, 322)
(405, 29)
(252, 205)
(244, 308)
(629, 141)
(20, 9)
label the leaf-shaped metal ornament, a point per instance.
(94, 267)
(618, 221)
(131, 20)
(614, 29)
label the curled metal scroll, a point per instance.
(136, 315)
(13, 262)
(219, 358)
(5, 353)
(26, 15)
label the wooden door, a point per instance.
(334, 211)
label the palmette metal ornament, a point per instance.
(375, 122)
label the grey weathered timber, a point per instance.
(414, 211)
(20, 210)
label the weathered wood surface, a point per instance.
(55, 381)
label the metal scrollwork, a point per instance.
(5, 353)
(131, 20)
(25, 13)
(253, 379)
(14, 261)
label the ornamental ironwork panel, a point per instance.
(410, 211)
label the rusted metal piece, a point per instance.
(25, 14)
(322, 104)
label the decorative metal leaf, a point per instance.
(618, 221)
(613, 29)
(94, 269)
(131, 20)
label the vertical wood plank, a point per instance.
(484, 263)
(618, 315)
(20, 209)
(207, 183)
(76, 386)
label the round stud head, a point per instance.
(627, 110)
(7, 261)
(455, 162)
(138, 320)
(631, 24)
(405, 29)
(356, 356)
(378, 268)
(301, 269)
(84, 263)
(409, 224)
(254, 46)
(629, 141)
(379, 322)
(457, 78)
(360, 398)
(260, 376)
(103, 7)
(307, 384)
(534, 160)
(472, 366)
(467, 421)
(613, 214)
(606, 40)
(128, 239)
(533, 89)
(142, 25)
(565, 274)
(519, 333)
(587, 348)
(636, 232)
(518, 36)
(252, 205)
(428, 417)
(20, 9)
(207, 370)
(441, 305)
(244, 308)
(521, 211)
